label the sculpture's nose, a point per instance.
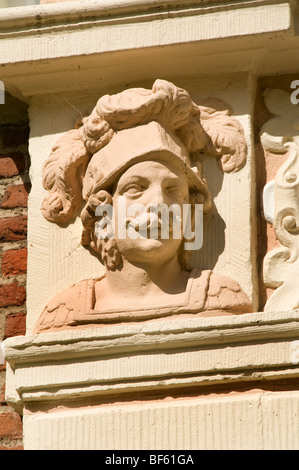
(158, 195)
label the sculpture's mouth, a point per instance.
(153, 225)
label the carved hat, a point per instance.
(147, 142)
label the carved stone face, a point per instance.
(151, 183)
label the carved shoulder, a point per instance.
(65, 307)
(225, 294)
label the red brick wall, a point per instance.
(14, 188)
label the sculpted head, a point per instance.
(146, 146)
(146, 165)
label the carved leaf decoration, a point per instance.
(62, 177)
(281, 273)
(283, 127)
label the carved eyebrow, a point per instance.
(175, 180)
(121, 185)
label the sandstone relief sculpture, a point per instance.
(280, 135)
(141, 146)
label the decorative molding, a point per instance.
(157, 356)
(281, 266)
(92, 12)
(115, 29)
(74, 37)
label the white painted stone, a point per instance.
(97, 367)
(159, 355)
(295, 352)
(280, 135)
(243, 421)
(203, 40)
(268, 202)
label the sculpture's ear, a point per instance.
(62, 177)
(201, 198)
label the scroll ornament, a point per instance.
(281, 265)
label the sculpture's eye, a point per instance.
(173, 189)
(133, 189)
(177, 190)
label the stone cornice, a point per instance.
(133, 338)
(154, 356)
(51, 16)
(43, 45)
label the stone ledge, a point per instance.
(89, 11)
(153, 356)
(97, 34)
(93, 45)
